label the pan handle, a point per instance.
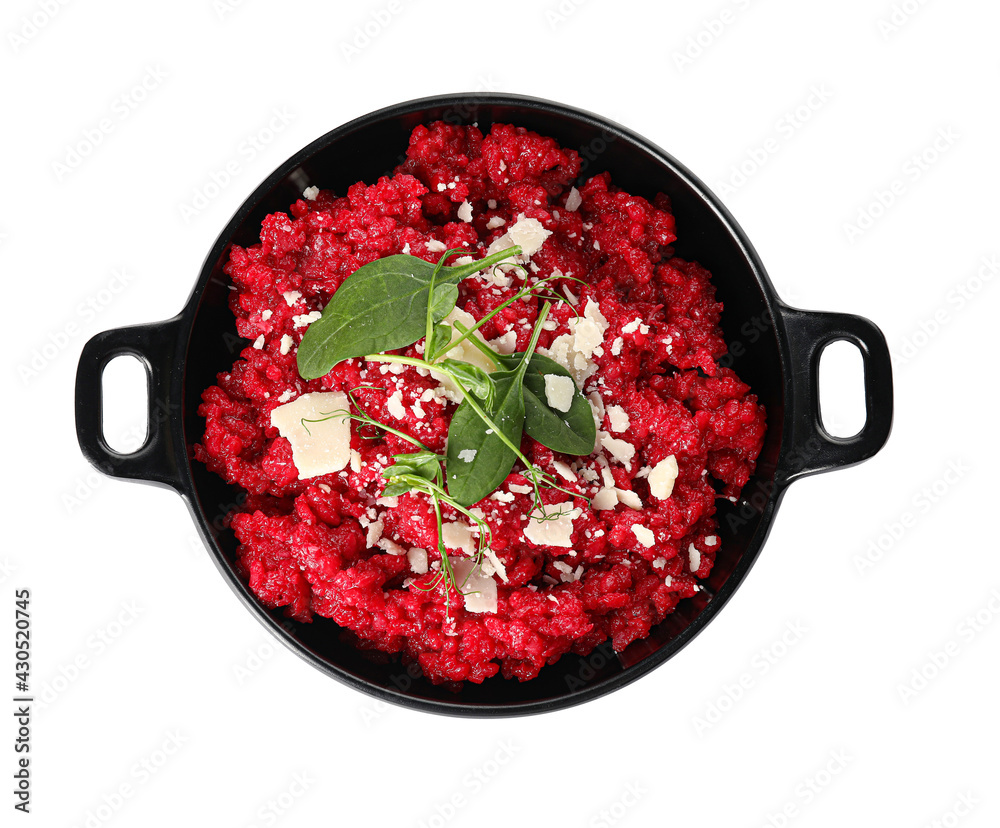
(808, 447)
(155, 346)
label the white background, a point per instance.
(141, 648)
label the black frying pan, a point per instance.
(773, 347)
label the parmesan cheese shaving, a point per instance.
(559, 392)
(618, 418)
(418, 560)
(320, 440)
(554, 528)
(620, 450)
(645, 536)
(662, 477)
(478, 589)
(458, 535)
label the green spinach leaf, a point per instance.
(482, 450)
(478, 458)
(570, 432)
(383, 306)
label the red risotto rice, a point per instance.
(676, 430)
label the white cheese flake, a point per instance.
(526, 232)
(375, 532)
(265, 315)
(606, 475)
(554, 527)
(458, 535)
(286, 344)
(505, 344)
(574, 350)
(515, 487)
(645, 536)
(564, 471)
(291, 297)
(303, 319)
(605, 499)
(391, 547)
(395, 405)
(620, 450)
(467, 455)
(694, 558)
(618, 418)
(662, 477)
(258, 343)
(566, 573)
(529, 234)
(597, 407)
(465, 211)
(492, 565)
(559, 392)
(310, 193)
(574, 199)
(478, 589)
(630, 499)
(495, 222)
(418, 560)
(711, 540)
(320, 440)
(436, 246)
(616, 346)
(632, 326)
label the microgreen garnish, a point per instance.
(472, 378)
(538, 290)
(384, 305)
(390, 304)
(570, 432)
(421, 472)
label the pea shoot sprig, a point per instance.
(421, 472)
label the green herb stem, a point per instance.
(521, 294)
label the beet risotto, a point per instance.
(355, 510)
